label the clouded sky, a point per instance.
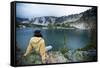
(27, 10)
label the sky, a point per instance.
(28, 10)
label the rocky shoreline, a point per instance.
(58, 57)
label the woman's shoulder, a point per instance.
(37, 38)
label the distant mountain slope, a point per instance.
(45, 20)
(18, 19)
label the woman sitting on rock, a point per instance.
(38, 44)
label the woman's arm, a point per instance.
(29, 49)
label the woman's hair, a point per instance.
(37, 33)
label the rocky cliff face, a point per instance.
(88, 19)
(43, 20)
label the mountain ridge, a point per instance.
(84, 20)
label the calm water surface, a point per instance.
(58, 38)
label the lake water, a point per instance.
(58, 38)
